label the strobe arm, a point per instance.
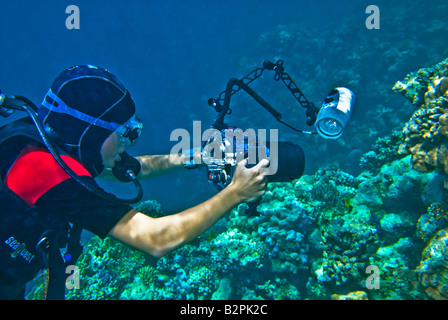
(280, 74)
(222, 103)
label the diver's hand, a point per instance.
(249, 183)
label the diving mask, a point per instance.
(130, 131)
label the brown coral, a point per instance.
(436, 89)
(433, 269)
(442, 155)
(356, 295)
(426, 133)
(434, 220)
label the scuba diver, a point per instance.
(89, 117)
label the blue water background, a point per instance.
(174, 55)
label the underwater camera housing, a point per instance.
(224, 150)
(329, 122)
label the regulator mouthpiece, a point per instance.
(127, 168)
(335, 113)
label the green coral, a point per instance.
(384, 150)
(224, 290)
(147, 274)
(105, 266)
(235, 250)
(333, 186)
(151, 208)
(202, 282)
(347, 244)
(149, 284)
(396, 266)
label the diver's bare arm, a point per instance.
(152, 166)
(159, 236)
(156, 165)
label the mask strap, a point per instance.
(59, 106)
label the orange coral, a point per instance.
(426, 133)
(438, 88)
(356, 295)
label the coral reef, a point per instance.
(433, 270)
(426, 133)
(313, 238)
(396, 269)
(105, 272)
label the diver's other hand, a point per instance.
(249, 183)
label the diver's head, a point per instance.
(92, 116)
